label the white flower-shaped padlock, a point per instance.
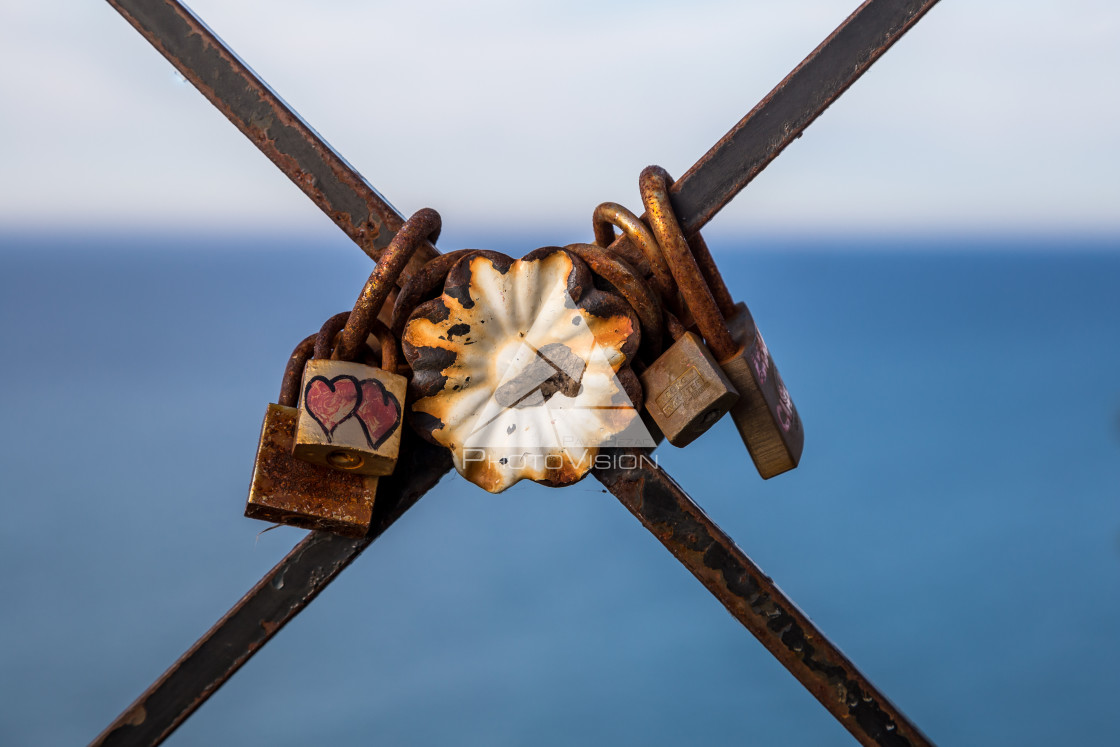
(522, 369)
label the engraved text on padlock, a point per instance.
(686, 391)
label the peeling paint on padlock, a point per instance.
(522, 369)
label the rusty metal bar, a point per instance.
(786, 111)
(753, 599)
(268, 606)
(263, 117)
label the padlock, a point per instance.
(350, 413)
(686, 390)
(765, 416)
(775, 444)
(287, 490)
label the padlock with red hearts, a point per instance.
(350, 412)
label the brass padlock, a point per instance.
(686, 391)
(350, 413)
(765, 415)
(287, 490)
(767, 418)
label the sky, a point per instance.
(989, 115)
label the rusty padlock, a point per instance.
(686, 391)
(765, 415)
(286, 490)
(765, 374)
(350, 413)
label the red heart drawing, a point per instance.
(330, 402)
(379, 412)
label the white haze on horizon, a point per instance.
(988, 116)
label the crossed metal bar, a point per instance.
(645, 490)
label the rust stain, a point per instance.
(290, 491)
(136, 716)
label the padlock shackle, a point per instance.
(608, 216)
(324, 340)
(673, 326)
(712, 275)
(622, 276)
(423, 224)
(390, 353)
(654, 183)
(293, 372)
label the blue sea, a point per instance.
(954, 525)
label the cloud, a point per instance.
(987, 115)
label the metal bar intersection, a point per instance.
(646, 491)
